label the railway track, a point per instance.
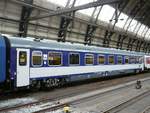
(55, 106)
(146, 110)
(60, 104)
(128, 103)
(18, 106)
(112, 110)
(42, 101)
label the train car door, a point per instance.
(23, 58)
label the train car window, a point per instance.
(147, 60)
(119, 59)
(137, 59)
(89, 59)
(141, 60)
(74, 58)
(22, 58)
(54, 58)
(111, 59)
(126, 60)
(101, 59)
(132, 60)
(37, 58)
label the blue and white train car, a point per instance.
(25, 62)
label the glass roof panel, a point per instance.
(141, 30)
(106, 13)
(81, 2)
(87, 11)
(122, 19)
(137, 27)
(146, 30)
(147, 36)
(59, 2)
(132, 25)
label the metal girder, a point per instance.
(138, 30)
(148, 48)
(89, 34)
(25, 14)
(138, 25)
(63, 28)
(147, 18)
(107, 38)
(145, 48)
(70, 4)
(130, 44)
(147, 2)
(149, 35)
(139, 45)
(90, 30)
(20, 2)
(125, 24)
(65, 22)
(133, 13)
(146, 32)
(142, 19)
(68, 10)
(48, 10)
(118, 10)
(144, 15)
(121, 38)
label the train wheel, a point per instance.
(35, 85)
(62, 82)
(106, 73)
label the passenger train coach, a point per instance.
(26, 62)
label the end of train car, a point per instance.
(147, 62)
(2, 60)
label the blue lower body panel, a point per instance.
(2, 60)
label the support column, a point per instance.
(25, 14)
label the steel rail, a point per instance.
(146, 110)
(127, 103)
(56, 100)
(122, 105)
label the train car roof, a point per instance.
(50, 44)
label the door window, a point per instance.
(22, 58)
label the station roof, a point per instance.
(140, 10)
(133, 15)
